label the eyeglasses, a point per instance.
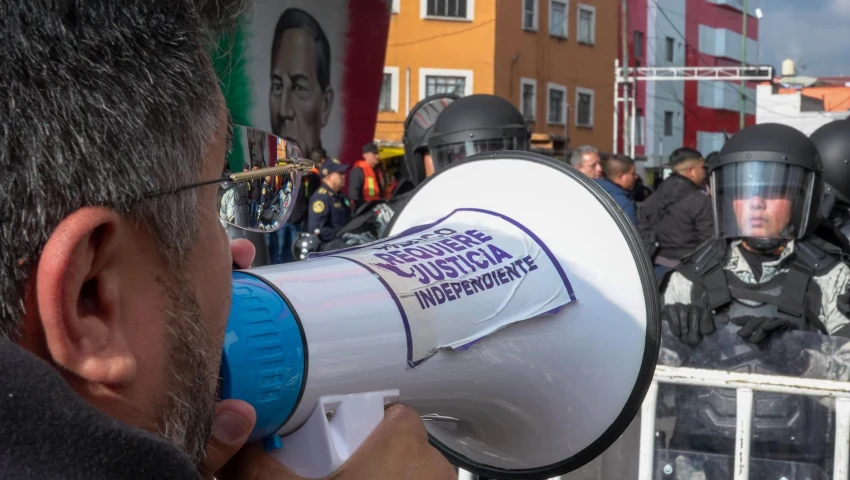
(259, 183)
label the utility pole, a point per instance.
(624, 33)
(743, 64)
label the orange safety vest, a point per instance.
(307, 191)
(373, 183)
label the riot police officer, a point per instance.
(833, 143)
(764, 273)
(765, 270)
(418, 126)
(329, 210)
(476, 124)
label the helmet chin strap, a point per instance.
(764, 245)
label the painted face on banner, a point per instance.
(299, 106)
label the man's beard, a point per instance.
(186, 416)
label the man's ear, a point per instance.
(327, 104)
(78, 295)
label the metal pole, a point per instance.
(842, 439)
(624, 32)
(743, 64)
(464, 475)
(616, 102)
(647, 433)
(633, 115)
(407, 92)
(743, 433)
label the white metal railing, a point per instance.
(464, 475)
(745, 384)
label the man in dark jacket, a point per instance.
(115, 276)
(677, 217)
(619, 181)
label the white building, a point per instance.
(793, 109)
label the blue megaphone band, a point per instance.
(265, 354)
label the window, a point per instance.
(668, 124)
(396, 6)
(385, 104)
(638, 45)
(559, 18)
(439, 80)
(435, 85)
(389, 91)
(586, 24)
(670, 48)
(528, 99)
(640, 127)
(584, 110)
(529, 15)
(448, 9)
(556, 110)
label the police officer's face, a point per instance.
(335, 180)
(297, 105)
(429, 164)
(762, 216)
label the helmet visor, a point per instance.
(445, 155)
(761, 200)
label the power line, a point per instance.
(442, 35)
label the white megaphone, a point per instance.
(512, 306)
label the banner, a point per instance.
(309, 71)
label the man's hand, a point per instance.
(689, 323)
(234, 419)
(243, 252)
(398, 449)
(758, 329)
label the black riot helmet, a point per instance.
(833, 143)
(417, 130)
(476, 124)
(766, 186)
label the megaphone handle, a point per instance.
(333, 432)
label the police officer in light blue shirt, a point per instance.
(329, 209)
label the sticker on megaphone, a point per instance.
(463, 277)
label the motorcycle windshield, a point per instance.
(790, 433)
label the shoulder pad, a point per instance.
(817, 255)
(707, 254)
(322, 191)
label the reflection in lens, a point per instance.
(265, 175)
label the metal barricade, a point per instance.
(745, 384)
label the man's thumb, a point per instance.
(234, 420)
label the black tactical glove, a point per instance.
(689, 323)
(758, 329)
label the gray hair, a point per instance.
(103, 102)
(576, 157)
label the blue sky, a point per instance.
(813, 33)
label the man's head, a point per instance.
(301, 96)
(318, 156)
(620, 169)
(689, 163)
(126, 296)
(586, 160)
(333, 174)
(370, 154)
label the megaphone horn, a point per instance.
(518, 317)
